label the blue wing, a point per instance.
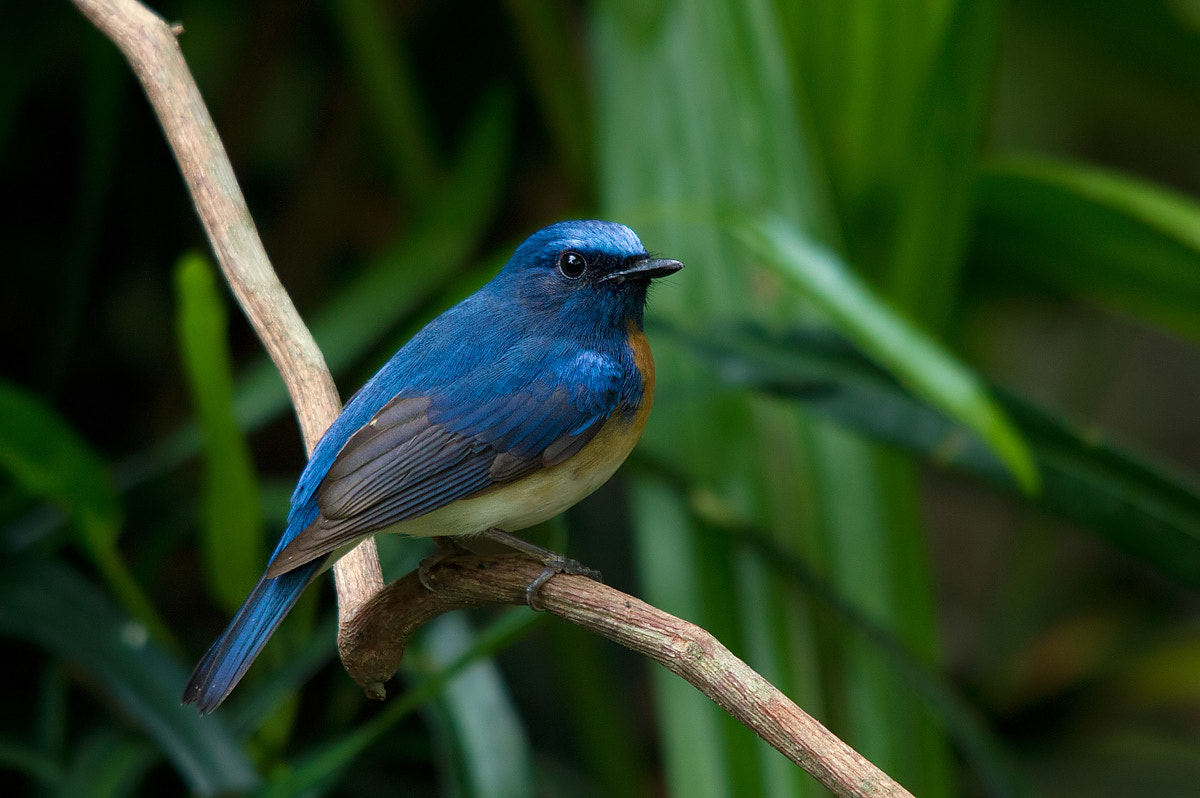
(418, 436)
(419, 453)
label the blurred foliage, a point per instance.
(924, 448)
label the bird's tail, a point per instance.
(226, 661)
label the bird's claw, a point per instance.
(556, 565)
(447, 547)
(424, 567)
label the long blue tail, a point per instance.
(228, 658)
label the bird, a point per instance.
(501, 413)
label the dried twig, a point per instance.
(376, 621)
(386, 623)
(149, 45)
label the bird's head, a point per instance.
(585, 272)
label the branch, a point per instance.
(385, 624)
(376, 622)
(149, 45)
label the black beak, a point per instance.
(646, 269)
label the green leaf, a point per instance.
(898, 96)
(323, 766)
(555, 70)
(51, 606)
(35, 764)
(934, 183)
(48, 459)
(864, 67)
(391, 287)
(107, 765)
(915, 359)
(829, 375)
(484, 739)
(1141, 507)
(420, 263)
(388, 85)
(669, 573)
(1113, 239)
(981, 746)
(232, 529)
(697, 114)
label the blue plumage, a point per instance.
(468, 426)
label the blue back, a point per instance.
(529, 358)
(522, 327)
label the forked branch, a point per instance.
(377, 621)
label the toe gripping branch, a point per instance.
(552, 562)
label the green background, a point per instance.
(924, 448)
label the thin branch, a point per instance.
(383, 628)
(149, 45)
(376, 621)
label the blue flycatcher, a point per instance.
(501, 413)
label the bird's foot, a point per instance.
(447, 547)
(558, 565)
(555, 564)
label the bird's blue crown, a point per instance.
(588, 236)
(522, 375)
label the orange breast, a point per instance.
(645, 364)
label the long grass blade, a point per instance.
(49, 460)
(1142, 507)
(911, 355)
(232, 529)
(483, 740)
(1092, 233)
(52, 607)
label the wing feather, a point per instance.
(416, 455)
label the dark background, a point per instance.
(969, 640)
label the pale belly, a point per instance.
(539, 496)
(527, 501)
(548, 492)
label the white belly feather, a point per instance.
(539, 496)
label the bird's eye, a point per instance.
(571, 264)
